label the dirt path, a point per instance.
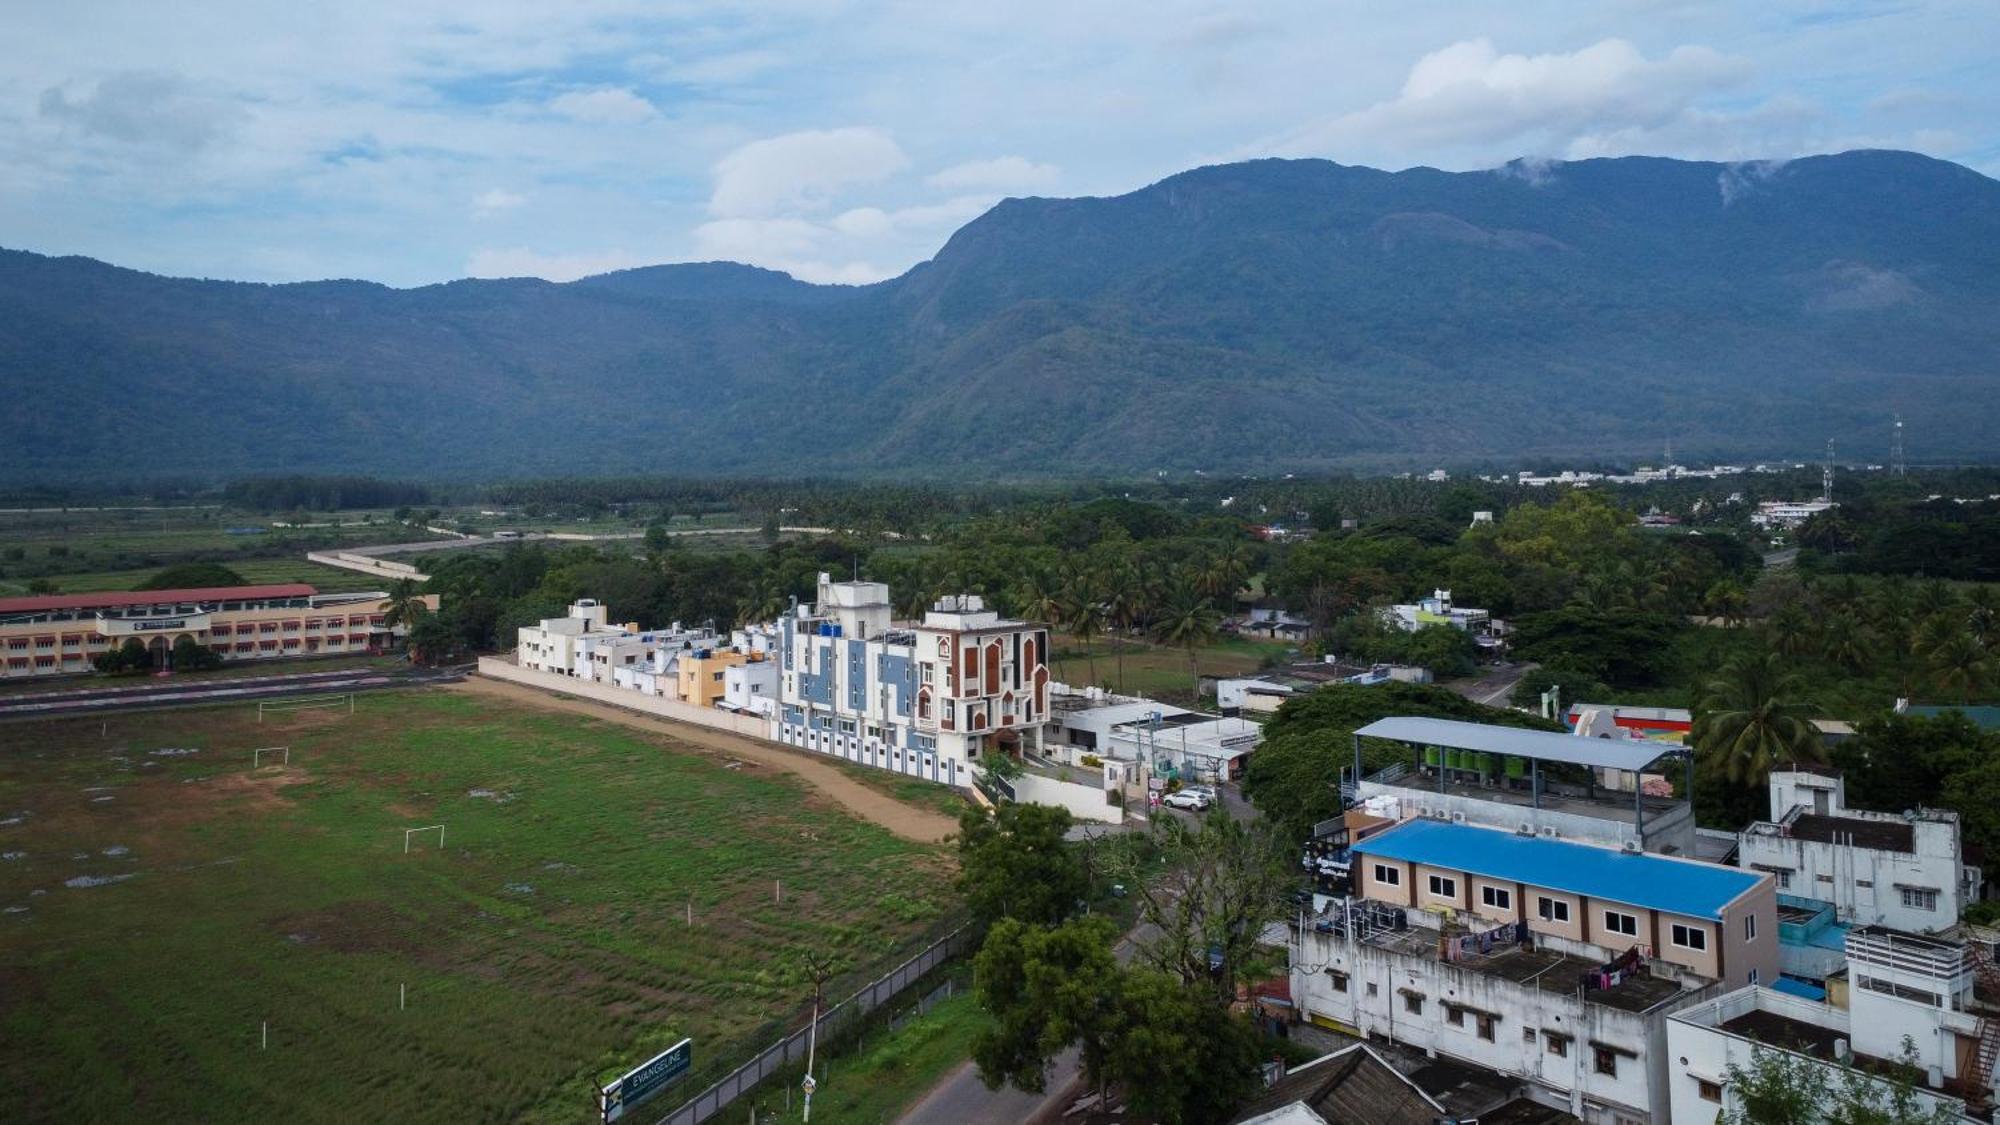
(921, 825)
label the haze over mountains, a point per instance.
(1267, 316)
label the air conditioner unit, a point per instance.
(1458, 818)
(1631, 847)
(1527, 830)
(1548, 832)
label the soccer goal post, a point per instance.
(257, 756)
(409, 832)
(315, 703)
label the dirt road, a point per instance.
(907, 821)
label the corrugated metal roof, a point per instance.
(42, 603)
(1548, 746)
(1678, 886)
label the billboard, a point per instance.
(645, 1080)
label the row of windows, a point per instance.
(1556, 910)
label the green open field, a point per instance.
(1156, 670)
(156, 908)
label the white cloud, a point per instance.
(144, 108)
(801, 171)
(1469, 93)
(1004, 173)
(612, 105)
(849, 248)
(493, 201)
(519, 261)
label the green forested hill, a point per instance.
(1271, 315)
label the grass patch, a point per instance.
(146, 936)
(1156, 670)
(891, 1069)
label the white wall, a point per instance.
(1085, 802)
(502, 669)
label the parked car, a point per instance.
(1193, 797)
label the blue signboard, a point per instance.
(646, 1079)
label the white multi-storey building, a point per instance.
(587, 646)
(1905, 993)
(926, 699)
(1902, 870)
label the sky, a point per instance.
(412, 142)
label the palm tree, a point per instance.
(1790, 630)
(1726, 599)
(1124, 600)
(1982, 614)
(405, 605)
(1042, 596)
(1083, 612)
(1750, 720)
(1223, 575)
(763, 601)
(1936, 597)
(1846, 641)
(1962, 663)
(1187, 620)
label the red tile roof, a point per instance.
(112, 599)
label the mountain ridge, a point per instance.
(1264, 315)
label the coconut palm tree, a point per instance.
(1790, 630)
(1726, 599)
(1082, 611)
(1750, 719)
(1936, 598)
(1982, 614)
(763, 601)
(1962, 664)
(1124, 601)
(1188, 620)
(405, 605)
(1845, 640)
(1223, 575)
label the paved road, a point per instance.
(1495, 686)
(169, 692)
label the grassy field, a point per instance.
(1155, 670)
(327, 579)
(888, 1070)
(156, 908)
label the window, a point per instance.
(1782, 874)
(1388, 876)
(1444, 887)
(1753, 976)
(1499, 898)
(1339, 980)
(1413, 1003)
(1690, 937)
(1605, 1061)
(1917, 898)
(1709, 1091)
(847, 726)
(1527, 1035)
(1558, 1045)
(1552, 910)
(1486, 1024)
(1621, 923)
(1371, 990)
(1750, 927)
(1455, 1016)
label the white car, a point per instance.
(1193, 797)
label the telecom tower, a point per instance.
(1826, 474)
(1896, 464)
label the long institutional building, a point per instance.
(57, 634)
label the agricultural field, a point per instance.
(160, 900)
(1155, 670)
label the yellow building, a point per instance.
(703, 671)
(57, 634)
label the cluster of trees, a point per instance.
(320, 494)
(1150, 1016)
(133, 657)
(1785, 1088)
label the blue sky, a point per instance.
(411, 142)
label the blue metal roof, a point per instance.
(1678, 886)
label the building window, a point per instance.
(1916, 898)
(1749, 927)
(1371, 990)
(1486, 1028)
(1443, 887)
(1782, 874)
(1621, 923)
(1498, 898)
(1709, 1091)
(1552, 910)
(1455, 1016)
(1388, 876)
(1690, 937)
(1413, 1003)
(1753, 976)
(1605, 1061)
(847, 726)
(1558, 1045)
(1527, 1035)
(1339, 980)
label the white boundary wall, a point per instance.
(500, 668)
(1085, 802)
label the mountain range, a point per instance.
(1291, 315)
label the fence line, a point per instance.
(792, 1048)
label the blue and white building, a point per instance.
(926, 700)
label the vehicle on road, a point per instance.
(1195, 797)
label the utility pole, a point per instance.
(819, 967)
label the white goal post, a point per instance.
(409, 832)
(313, 703)
(257, 755)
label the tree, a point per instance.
(1014, 863)
(1789, 630)
(1777, 1088)
(1082, 612)
(1045, 988)
(405, 605)
(1226, 880)
(1750, 719)
(1181, 1061)
(190, 655)
(432, 640)
(132, 656)
(1962, 665)
(1187, 620)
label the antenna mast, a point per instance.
(1826, 474)
(1897, 466)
